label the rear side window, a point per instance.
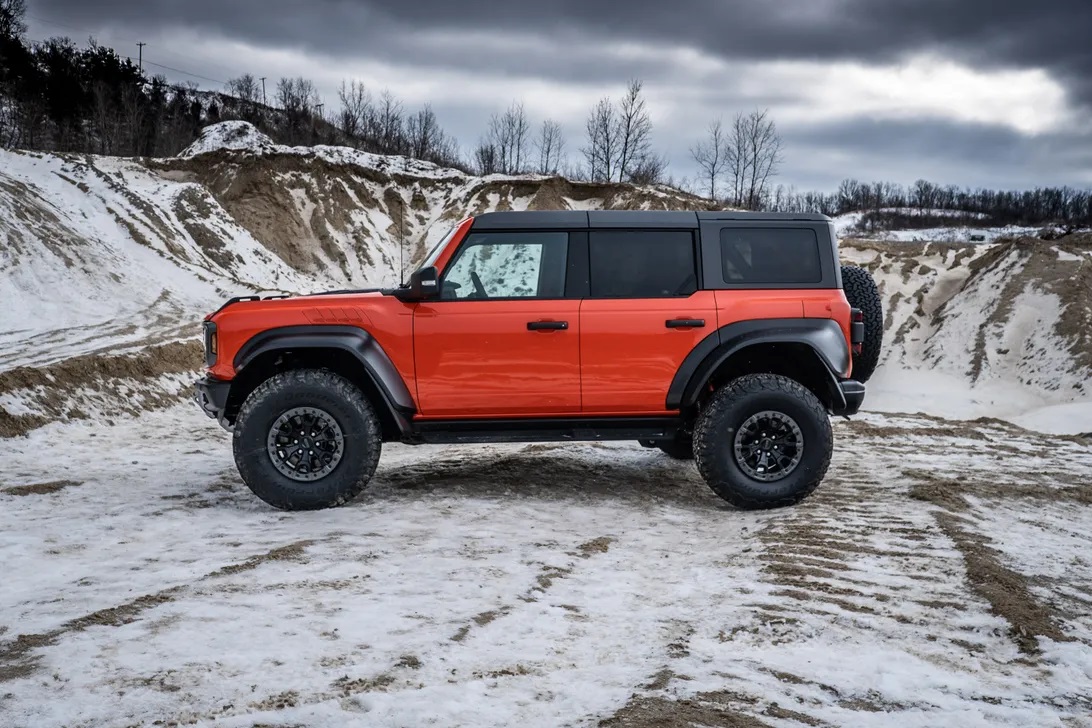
(642, 264)
(770, 255)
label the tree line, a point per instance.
(923, 204)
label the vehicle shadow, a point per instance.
(586, 472)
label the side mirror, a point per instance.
(424, 284)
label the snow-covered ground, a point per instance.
(846, 227)
(545, 586)
(939, 576)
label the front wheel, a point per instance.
(763, 441)
(307, 439)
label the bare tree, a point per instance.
(12, 14)
(634, 131)
(753, 158)
(387, 125)
(601, 151)
(551, 147)
(649, 171)
(712, 155)
(133, 118)
(485, 158)
(356, 108)
(245, 88)
(427, 140)
(104, 117)
(509, 134)
(423, 132)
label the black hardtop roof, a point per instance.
(573, 219)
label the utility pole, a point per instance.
(140, 56)
(264, 103)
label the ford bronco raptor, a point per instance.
(725, 337)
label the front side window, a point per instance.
(770, 255)
(642, 264)
(508, 265)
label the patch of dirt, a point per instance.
(291, 552)
(704, 709)
(347, 687)
(411, 661)
(42, 488)
(280, 701)
(595, 546)
(17, 662)
(487, 617)
(1006, 591)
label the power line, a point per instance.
(140, 59)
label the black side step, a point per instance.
(585, 429)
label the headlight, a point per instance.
(209, 335)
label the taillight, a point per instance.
(856, 329)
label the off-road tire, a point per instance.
(335, 395)
(861, 292)
(729, 408)
(681, 448)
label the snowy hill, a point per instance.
(97, 252)
(103, 256)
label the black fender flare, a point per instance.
(356, 341)
(822, 336)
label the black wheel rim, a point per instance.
(768, 446)
(305, 444)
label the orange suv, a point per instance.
(726, 337)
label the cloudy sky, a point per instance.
(971, 92)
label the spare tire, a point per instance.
(861, 292)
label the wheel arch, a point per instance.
(809, 351)
(345, 350)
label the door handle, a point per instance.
(685, 323)
(547, 325)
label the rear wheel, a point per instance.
(763, 441)
(306, 439)
(861, 292)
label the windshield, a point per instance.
(433, 254)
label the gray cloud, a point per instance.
(574, 44)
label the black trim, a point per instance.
(356, 341)
(547, 325)
(760, 216)
(211, 395)
(578, 275)
(230, 301)
(824, 336)
(562, 429)
(642, 219)
(685, 323)
(853, 394)
(531, 220)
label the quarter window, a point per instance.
(508, 265)
(642, 264)
(770, 255)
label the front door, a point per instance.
(643, 317)
(503, 339)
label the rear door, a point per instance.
(643, 316)
(503, 340)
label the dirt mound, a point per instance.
(68, 389)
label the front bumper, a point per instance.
(211, 396)
(853, 393)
